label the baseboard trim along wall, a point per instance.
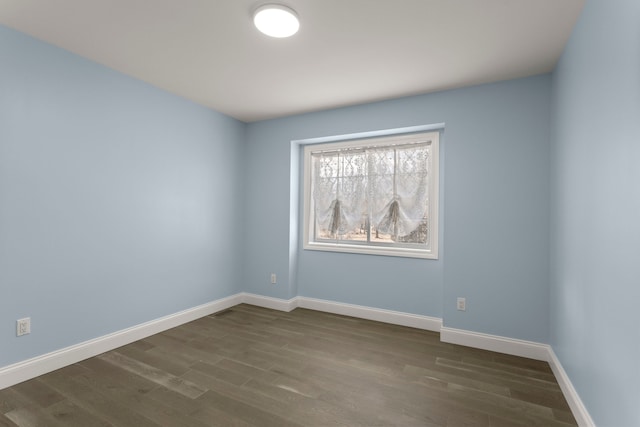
(573, 399)
(269, 302)
(31, 368)
(359, 311)
(377, 314)
(529, 349)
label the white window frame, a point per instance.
(434, 177)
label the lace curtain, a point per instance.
(386, 186)
(340, 190)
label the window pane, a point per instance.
(339, 194)
(376, 194)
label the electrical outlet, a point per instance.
(273, 278)
(23, 326)
(462, 304)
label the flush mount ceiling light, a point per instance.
(276, 20)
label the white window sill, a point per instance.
(371, 250)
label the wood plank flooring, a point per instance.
(250, 366)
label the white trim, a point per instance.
(31, 368)
(269, 302)
(369, 250)
(371, 134)
(430, 251)
(362, 312)
(529, 349)
(515, 347)
(369, 313)
(573, 399)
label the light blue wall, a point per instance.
(497, 209)
(495, 194)
(118, 202)
(596, 211)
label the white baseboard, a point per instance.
(529, 349)
(31, 368)
(369, 313)
(359, 311)
(269, 302)
(573, 399)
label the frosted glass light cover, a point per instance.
(276, 21)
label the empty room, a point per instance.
(319, 212)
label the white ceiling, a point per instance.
(346, 52)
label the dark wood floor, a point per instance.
(250, 366)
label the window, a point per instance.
(374, 196)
